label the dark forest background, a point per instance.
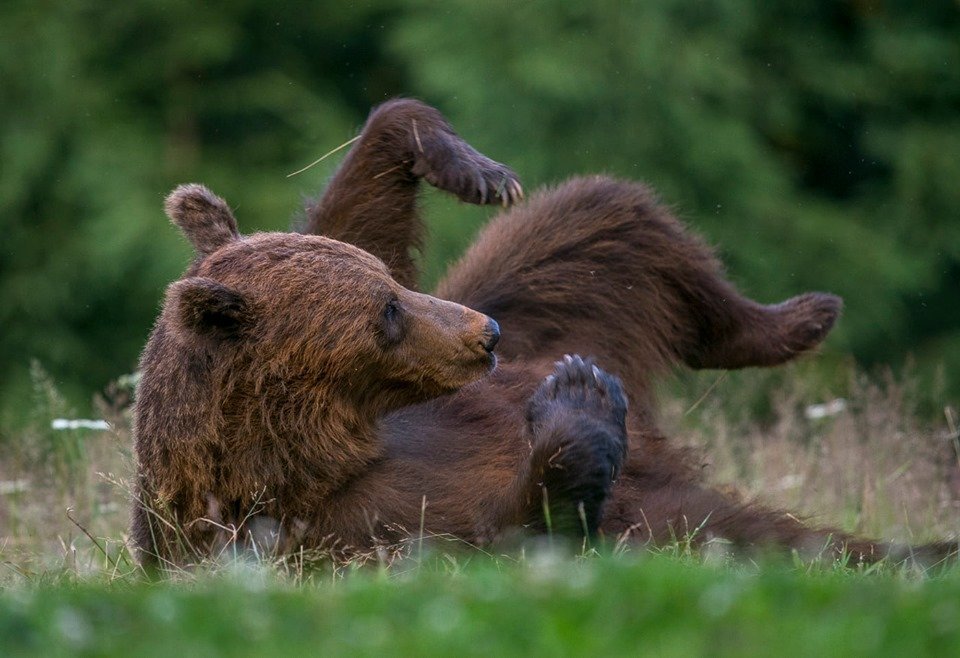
(817, 143)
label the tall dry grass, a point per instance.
(860, 456)
(64, 494)
(874, 467)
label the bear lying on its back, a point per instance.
(299, 383)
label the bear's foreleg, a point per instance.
(371, 202)
(576, 420)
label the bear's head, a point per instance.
(268, 369)
(312, 314)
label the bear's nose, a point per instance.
(492, 335)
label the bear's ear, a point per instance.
(203, 217)
(206, 308)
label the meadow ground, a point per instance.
(872, 456)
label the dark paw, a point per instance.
(448, 163)
(578, 386)
(578, 435)
(589, 405)
(809, 319)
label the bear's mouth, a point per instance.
(420, 385)
(486, 360)
(466, 372)
(491, 361)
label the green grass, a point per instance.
(626, 605)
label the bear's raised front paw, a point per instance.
(577, 422)
(450, 164)
(580, 386)
(580, 394)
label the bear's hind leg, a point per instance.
(579, 441)
(371, 202)
(598, 266)
(737, 332)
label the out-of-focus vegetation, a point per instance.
(816, 143)
(542, 606)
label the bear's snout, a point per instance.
(491, 335)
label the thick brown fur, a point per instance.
(300, 380)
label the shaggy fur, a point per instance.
(300, 381)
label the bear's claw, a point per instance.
(578, 385)
(449, 163)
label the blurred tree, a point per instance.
(105, 107)
(815, 142)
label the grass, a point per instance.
(877, 466)
(886, 464)
(545, 605)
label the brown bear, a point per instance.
(298, 391)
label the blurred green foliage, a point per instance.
(817, 143)
(632, 605)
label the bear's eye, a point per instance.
(391, 311)
(392, 323)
